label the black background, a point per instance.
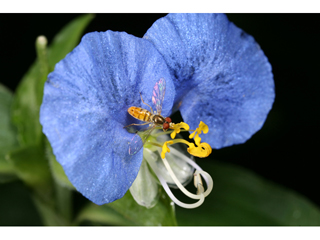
(286, 149)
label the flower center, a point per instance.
(198, 149)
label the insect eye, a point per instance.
(168, 120)
(165, 126)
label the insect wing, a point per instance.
(159, 90)
(139, 140)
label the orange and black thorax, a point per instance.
(157, 119)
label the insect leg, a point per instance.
(146, 104)
(137, 124)
(139, 139)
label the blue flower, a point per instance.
(214, 73)
(221, 75)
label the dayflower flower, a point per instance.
(215, 74)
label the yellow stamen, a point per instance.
(201, 151)
(202, 127)
(176, 128)
(165, 149)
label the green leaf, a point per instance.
(242, 198)
(50, 216)
(63, 192)
(127, 212)
(5, 174)
(65, 41)
(7, 135)
(100, 215)
(26, 104)
(56, 169)
(30, 166)
(52, 201)
(28, 97)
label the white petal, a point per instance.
(145, 188)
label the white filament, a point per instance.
(197, 179)
(173, 198)
(208, 178)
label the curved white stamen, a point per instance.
(168, 191)
(205, 175)
(176, 181)
(197, 181)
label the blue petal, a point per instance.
(85, 106)
(221, 75)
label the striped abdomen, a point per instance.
(140, 113)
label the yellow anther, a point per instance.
(165, 149)
(198, 183)
(203, 150)
(176, 128)
(202, 127)
(199, 150)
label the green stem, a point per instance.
(41, 48)
(63, 202)
(48, 213)
(55, 211)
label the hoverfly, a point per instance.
(149, 117)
